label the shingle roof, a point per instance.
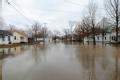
(5, 33)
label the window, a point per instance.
(8, 38)
(112, 38)
(14, 37)
(3, 38)
(98, 38)
(115, 38)
(105, 38)
(22, 38)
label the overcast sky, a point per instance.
(56, 13)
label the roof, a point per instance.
(20, 32)
(5, 33)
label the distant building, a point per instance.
(100, 38)
(106, 38)
(110, 36)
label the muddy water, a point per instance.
(60, 61)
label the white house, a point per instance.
(99, 38)
(106, 38)
(19, 37)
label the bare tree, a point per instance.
(80, 30)
(66, 32)
(87, 27)
(56, 35)
(77, 32)
(104, 26)
(113, 9)
(12, 27)
(92, 9)
(35, 28)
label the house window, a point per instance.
(8, 38)
(22, 38)
(14, 37)
(112, 37)
(98, 38)
(105, 38)
(3, 38)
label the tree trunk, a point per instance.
(117, 30)
(103, 38)
(93, 31)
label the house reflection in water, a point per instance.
(0, 70)
(9, 52)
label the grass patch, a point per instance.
(13, 45)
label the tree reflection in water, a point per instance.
(117, 70)
(88, 61)
(98, 62)
(38, 51)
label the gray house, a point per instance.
(5, 37)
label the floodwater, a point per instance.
(60, 61)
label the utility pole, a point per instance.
(71, 24)
(44, 31)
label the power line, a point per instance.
(46, 9)
(77, 4)
(17, 6)
(9, 3)
(21, 11)
(71, 2)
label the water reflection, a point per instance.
(6, 53)
(60, 61)
(117, 67)
(98, 62)
(86, 57)
(38, 51)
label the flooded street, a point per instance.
(60, 61)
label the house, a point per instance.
(19, 37)
(6, 37)
(11, 37)
(99, 38)
(105, 38)
(113, 37)
(39, 37)
(110, 36)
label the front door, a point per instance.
(9, 39)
